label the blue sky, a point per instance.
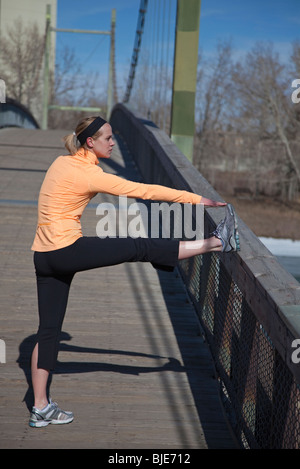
(242, 21)
(246, 22)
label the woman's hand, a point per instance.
(212, 203)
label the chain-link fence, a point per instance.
(248, 305)
(259, 392)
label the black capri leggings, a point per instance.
(56, 269)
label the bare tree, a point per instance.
(295, 57)
(71, 87)
(21, 64)
(65, 78)
(263, 94)
(294, 127)
(21, 57)
(214, 96)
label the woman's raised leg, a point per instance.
(193, 248)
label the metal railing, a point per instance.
(247, 304)
(14, 114)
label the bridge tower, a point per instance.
(185, 75)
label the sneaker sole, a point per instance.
(42, 423)
(45, 423)
(235, 240)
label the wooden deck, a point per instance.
(133, 366)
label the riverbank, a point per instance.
(268, 217)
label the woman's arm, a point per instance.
(212, 203)
(115, 185)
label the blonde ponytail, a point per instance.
(71, 142)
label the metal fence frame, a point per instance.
(246, 302)
(14, 114)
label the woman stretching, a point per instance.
(60, 249)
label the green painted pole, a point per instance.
(46, 70)
(75, 108)
(83, 31)
(185, 75)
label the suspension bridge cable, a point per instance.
(161, 14)
(151, 92)
(161, 66)
(165, 55)
(162, 96)
(136, 48)
(148, 62)
(151, 103)
(94, 50)
(113, 64)
(156, 89)
(167, 69)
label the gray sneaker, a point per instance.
(50, 414)
(227, 231)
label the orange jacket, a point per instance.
(69, 185)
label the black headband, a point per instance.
(91, 129)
